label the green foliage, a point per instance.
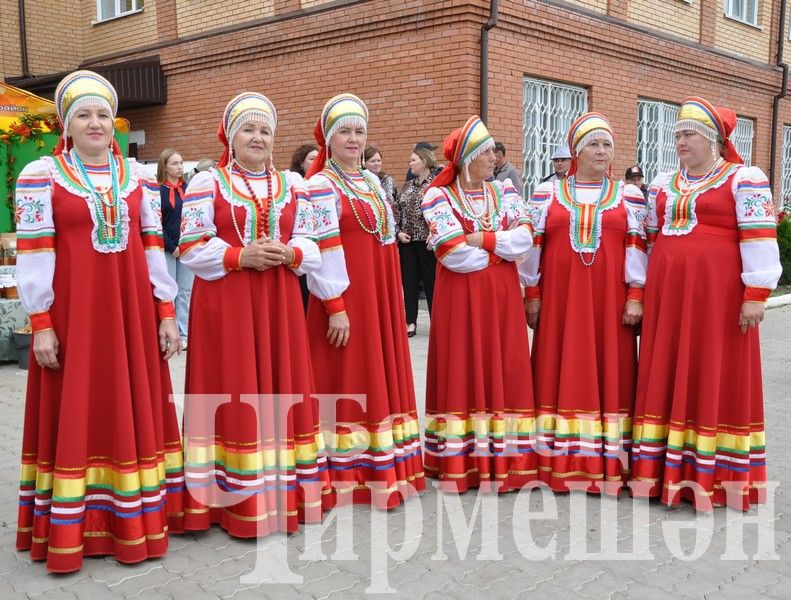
(784, 241)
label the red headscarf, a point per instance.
(321, 157)
(728, 121)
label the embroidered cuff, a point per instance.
(756, 294)
(231, 260)
(489, 241)
(166, 310)
(333, 306)
(635, 294)
(40, 321)
(294, 264)
(532, 292)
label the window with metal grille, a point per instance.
(656, 146)
(550, 109)
(785, 184)
(742, 138)
(745, 11)
(110, 9)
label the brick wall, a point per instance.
(597, 5)
(196, 16)
(10, 60)
(671, 16)
(52, 41)
(131, 31)
(747, 40)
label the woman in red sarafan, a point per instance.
(480, 413)
(254, 463)
(699, 414)
(101, 453)
(586, 273)
(358, 333)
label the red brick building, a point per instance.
(417, 63)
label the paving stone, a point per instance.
(133, 585)
(732, 591)
(7, 592)
(602, 586)
(697, 586)
(88, 589)
(37, 581)
(183, 589)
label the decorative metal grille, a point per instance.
(656, 148)
(785, 185)
(742, 138)
(550, 109)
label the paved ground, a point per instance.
(510, 551)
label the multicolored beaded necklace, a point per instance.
(105, 202)
(683, 195)
(262, 206)
(585, 223)
(484, 217)
(381, 227)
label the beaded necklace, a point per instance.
(484, 217)
(579, 206)
(261, 206)
(688, 187)
(381, 227)
(105, 201)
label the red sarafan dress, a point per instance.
(366, 390)
(253, 451)
(699, 418)
(480, 413)
(101, 454)
(589, 248)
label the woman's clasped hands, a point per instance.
(264, 253)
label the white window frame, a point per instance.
(549, 109)
(785, 181)
(137, 6)
(738, 11)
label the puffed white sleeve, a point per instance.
(35, 229)
(303, 239)
(755, 216)
(200, 250)
(165, 288)
(537, 208)
(513, 243)
(636, 261)
(331, 279)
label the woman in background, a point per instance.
(170, 169)
(418, 262)
(372, 159)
